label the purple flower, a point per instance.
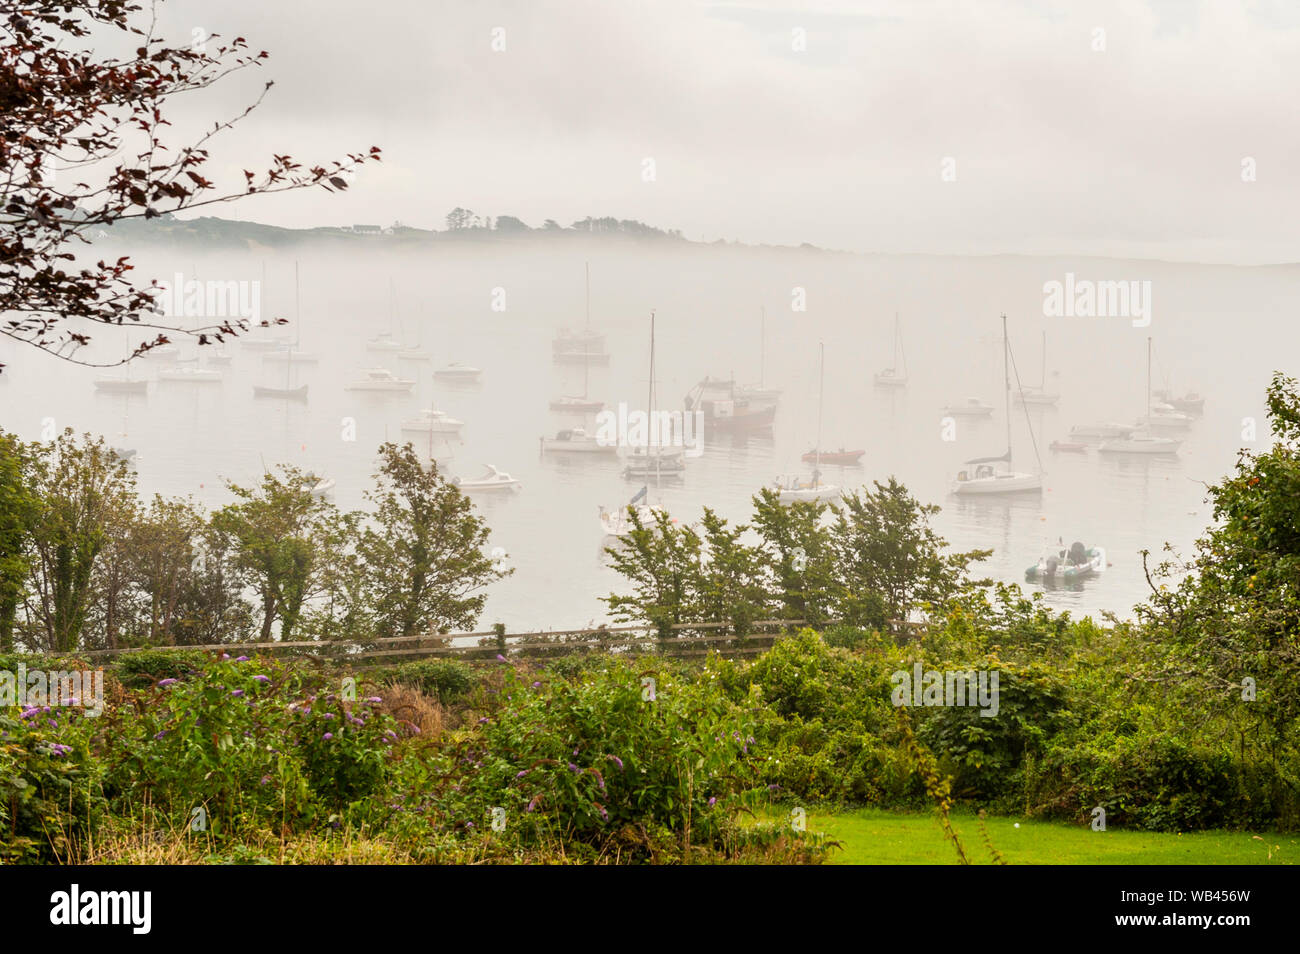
(603, 814)
(327, 715)
(482, 720)
(616, 760)
(537, 685)
(328, 736)
(265, 779)
(261, 678)
(521, 774)
(241, 659)
(501, 658)
(237, 692)
(713, 801)
(574, 768)
(532, 806)
(374, 699)
(165, 682)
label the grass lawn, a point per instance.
(872, 837)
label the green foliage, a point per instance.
(447, 680)
(147, 667)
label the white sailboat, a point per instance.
(581, 403)
(586, 346)
(968, 407)
(652, 461)
(191, 375)
(618, 522)
(288, 356)
(983, 475)
(796, 487)
(1039, 393)
(760, 393)
(1143, 441)
(894, 376)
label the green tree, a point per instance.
(662, 562)
(890, 560)
(18, 511)
(425, 566)
(733, 585)
(83, 489)
(277, 532)
(799, 553)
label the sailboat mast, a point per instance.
(1148, 380)
(586, 359)
(650, 397)
(821, 392)
(762, 345)
(1042, 378)
(1006, 377)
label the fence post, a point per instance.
(499, 629)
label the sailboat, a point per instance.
(581, 404)
(1142, 441)
(576, 440)
(793, 487)
(288, 392)
(760, 393)
(651, 461)
(618, 522)
(587, 345)
(986, 477)
(894, 376)
(386, 340)
(1038, 394)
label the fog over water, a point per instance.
(1218, 330)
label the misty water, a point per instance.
(1218, 330)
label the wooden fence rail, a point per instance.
(486, 645)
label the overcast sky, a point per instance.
(1136, 149)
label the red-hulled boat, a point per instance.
(840, 456)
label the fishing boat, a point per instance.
(1101, 431)
(379, 379)
(1068, 447)
(576, 440)
(894, 376)
(1167, 417)
(432, 421)
(1038, 393)
(1189, 403)
(1143, 441)
(121, 386)
(970, 407)
(983, 475)
(286, 393)
(1067, 566)
(458, 372)
(840, 456)
(793, 487)
(191, 375)
(724, 408)
(490, 481)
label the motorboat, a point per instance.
(384, 341)
(582, 405)
(491, 480)
(656, 463)
(793, 487)
(1067, 566)
(1068, 447)
(414, 354)
(458, 372)
(576, 440)
(433, 421)
(380, 379)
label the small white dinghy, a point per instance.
(576, 440)
(968, 407)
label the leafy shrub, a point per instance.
(146, 667)
(445, 680)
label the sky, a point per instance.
(1156, 129)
